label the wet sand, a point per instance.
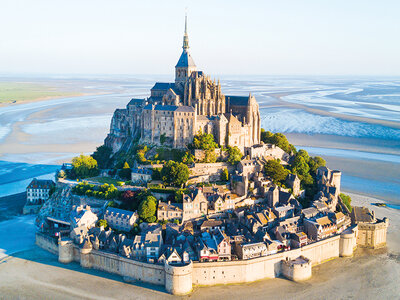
(372, 274)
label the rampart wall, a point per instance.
(179, 280)
(46, 242)
(262, 267)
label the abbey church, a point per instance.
(177, 111)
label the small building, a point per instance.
(212, 225)
(194, 205)
(284, 212)
(309, 212)
(141, 174)
(319, 228)
(251, 250)
(169, 211)
(293, 181)
(83, 217)
(298, 239)
(153, 242)
(37, 192)
(120, 219)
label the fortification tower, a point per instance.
(85, 254)
(185, 65)
(336, 177)
(65, 250)
(178, 279)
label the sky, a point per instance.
(285, 37)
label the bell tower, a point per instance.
(185, 65)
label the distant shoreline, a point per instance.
(49, 98)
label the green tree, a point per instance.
(102, 156)
(276, 171)
(61, 174)
(178, 197)
(225, 175)
(174, 173)
(156, 175)
(204, 141)
(300, 166)
(103, 223)
(140, 154)
(84, 166)
(315, 163)
(346, 200)
(278, 139)
(125, 172)
(163, 138)
(147, 209)
(234, 155)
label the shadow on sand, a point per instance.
(40, 256)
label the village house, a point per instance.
(194, 205)
(83, 217)
(319, 228)
(37, 192)
(120, 219)
(251, 250)
(141, 175)
(169, 211)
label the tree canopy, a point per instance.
(102, 156)
(204, 141)
(103, 223)
(277, 139)
(276, 171)
(346, 200)
(147, 209)
(174, 173)
(84, 166)
(225, 175)
(125, 172)
(234, 155)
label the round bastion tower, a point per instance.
(65, 250)
(178, 279)
(347, 241)
(85, 254)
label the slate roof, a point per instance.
(136, 101)
(161, 107)
(120, 212)
(147, 171)
(41, 184)
(185, 109)
(163, 86)
(362, 214)
(237, 100)
(185, 60)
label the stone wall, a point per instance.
(372, 235)
(179, 280)
(261, 267)
(46, 242)
(203, 172)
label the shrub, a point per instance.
(174, 173)
(225, 175)
(346, 200)
(84, 166)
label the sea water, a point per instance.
(50, 132)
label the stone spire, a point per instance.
(185, 36)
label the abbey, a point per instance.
(176, 111)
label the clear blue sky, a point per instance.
(293, 37)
